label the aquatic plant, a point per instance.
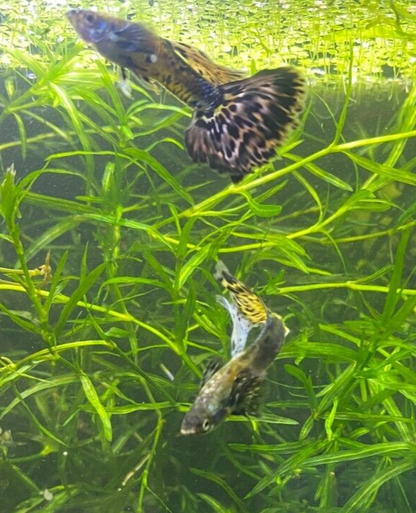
(108, 310)
(249, 34)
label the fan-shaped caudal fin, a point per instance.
(254, 117)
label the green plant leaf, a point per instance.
(83, 287)
(93, 398)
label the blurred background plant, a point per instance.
(107, 245)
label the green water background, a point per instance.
(88, 412)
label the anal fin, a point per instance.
(245, 397)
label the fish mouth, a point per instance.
(187, 431)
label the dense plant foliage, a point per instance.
(108, 238)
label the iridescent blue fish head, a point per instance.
(91, 26)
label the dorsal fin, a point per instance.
(213, 366)
(200, 62)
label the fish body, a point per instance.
(237, 123)
(235, 387)
(186, 72)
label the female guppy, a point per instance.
(237, 123)
(234, 388)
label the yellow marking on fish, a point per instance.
(248, 302)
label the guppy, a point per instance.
(235, 387)
(237, 123)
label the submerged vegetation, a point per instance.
(108, 238)
(247, 34)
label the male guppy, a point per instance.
(235, 387)
(238, 122)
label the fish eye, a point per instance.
(206, 425)
(90, 18)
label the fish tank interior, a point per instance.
(109, 235)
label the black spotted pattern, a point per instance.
(254, 117)
(248, 302)
(245, 395)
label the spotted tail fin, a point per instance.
(254, 117)
(248, 303)
(246, 308)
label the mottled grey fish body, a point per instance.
(234, 387)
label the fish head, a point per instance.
(93, 26)
(202, 419)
